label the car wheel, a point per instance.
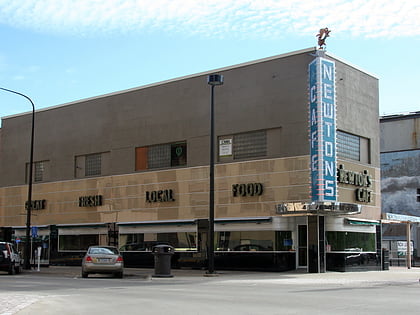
(84, 274)
(119, 275)
(12, 269)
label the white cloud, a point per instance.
(251, 18)
(33, 69)
(18, 77)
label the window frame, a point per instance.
(145, 155)
(245, 149)
(83, 240)
(145, 241)
(346, 146)
(93, 167)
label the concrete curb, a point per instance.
(394, 274)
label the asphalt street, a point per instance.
(61, 290)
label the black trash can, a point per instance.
(163, 255)
(385, 259)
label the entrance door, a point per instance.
(302, 249)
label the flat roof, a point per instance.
(400, 116)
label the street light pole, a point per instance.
(213, 80)
(27, 251)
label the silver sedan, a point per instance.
(103, 259)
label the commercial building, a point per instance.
(297, 180)
(400, 181)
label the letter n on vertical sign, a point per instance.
(322, 130)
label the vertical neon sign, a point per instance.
(322, 130)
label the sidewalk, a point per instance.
(394, 274)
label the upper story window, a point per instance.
(353, 147)
(348, 146)
(243, 145)
(250, 144)
(39, 171)
(161, 156)
(93, 164)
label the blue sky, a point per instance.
(60, 51)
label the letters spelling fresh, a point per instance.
(90, 201)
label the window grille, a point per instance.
(159, 156)
(93, 164)
(348, 146)
(39, 171)
(250, 144)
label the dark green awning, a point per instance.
(361, 222)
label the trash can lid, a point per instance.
(163, 248)
(163, 245)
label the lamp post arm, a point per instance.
(27, 250)
(11, 91)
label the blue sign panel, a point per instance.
(34, 231)
(322, 129)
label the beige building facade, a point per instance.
(131, 169)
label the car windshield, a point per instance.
(103, 250)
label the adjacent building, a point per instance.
(400, 173)
(297, 174)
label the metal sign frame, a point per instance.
(322, 130)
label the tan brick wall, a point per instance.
(283, 179)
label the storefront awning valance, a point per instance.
(155, 223)
(361, 222)
(400, 218)
(82, 229)
(243, 220)
(169, 226)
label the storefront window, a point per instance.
(181, 241)
(77, 242)
(351, 241)
(253, 240)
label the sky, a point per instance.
(60, 51)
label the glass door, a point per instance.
(302, 246)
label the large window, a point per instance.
(250, 145)
(246, 145)
(351, 241)
(253, 241)
(161, 156)
(181, 241)
(353, 147)
(348, 146)
(77, 242)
